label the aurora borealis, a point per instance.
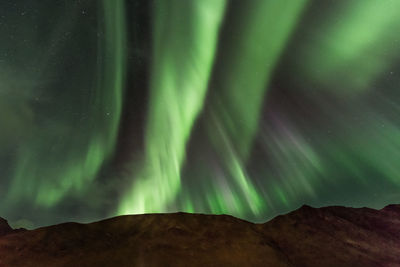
(250, 108)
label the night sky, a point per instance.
(249, 108)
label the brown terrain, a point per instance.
(331, 236)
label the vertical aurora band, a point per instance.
(184, 43)
(248, 62)
(70, 166)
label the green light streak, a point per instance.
(185, 37)
(249, 61)
(48, 168)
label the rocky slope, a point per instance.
(4, 227)
(332, 236)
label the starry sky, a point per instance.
(249, 108)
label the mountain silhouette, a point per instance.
(329, 236)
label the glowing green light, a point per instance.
(183, 52)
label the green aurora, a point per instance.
(249, 108)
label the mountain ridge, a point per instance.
(327, 236)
